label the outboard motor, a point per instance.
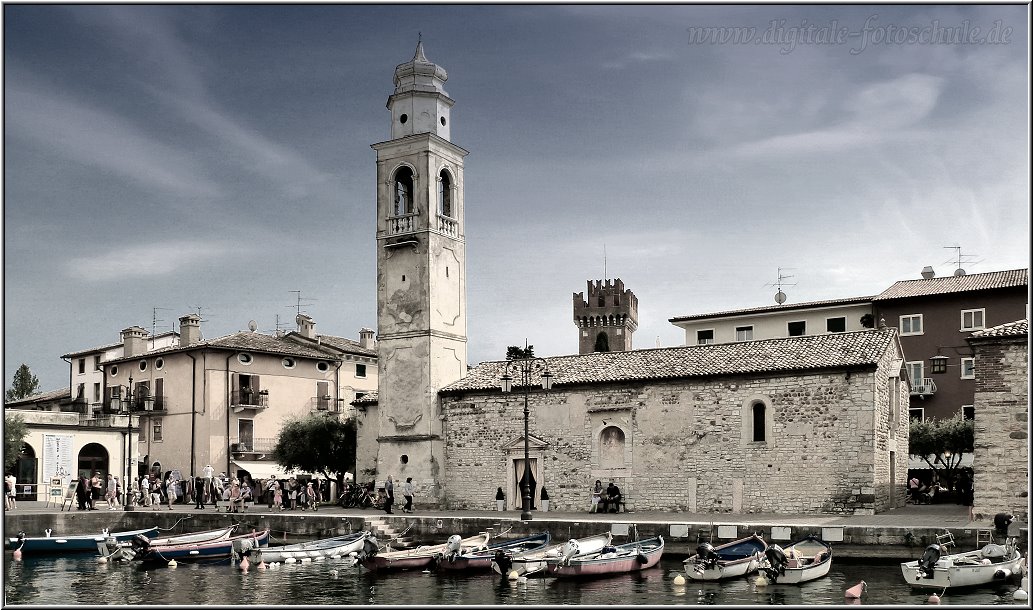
(502, 563)
(776, 562)
(1001, 523)
(706, 558)
(569, 550)
(369, 547)
(140, 543)
(928, 560)
(453, 546)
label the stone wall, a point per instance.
(687, 445)
(1001, 453)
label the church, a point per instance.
(802, 425)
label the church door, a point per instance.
(532, 482)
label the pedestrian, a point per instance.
(155, 492)
(408, 491)
(199, 489)
(389, 495)
(145, 490)
(234, 499)
(111, 492)
(96, 488)
(10, 485)
(292, 493)
(82, 493)
(277, 496)
(312, 496)
(500, 500)
(170, 490)
(597, 494)
(269, 485)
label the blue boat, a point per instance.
(79, 543)
(193, 551)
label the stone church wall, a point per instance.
(687, 445)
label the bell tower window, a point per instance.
(445, 194)
(403, 192)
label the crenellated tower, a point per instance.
(421, 274)
(607, 318)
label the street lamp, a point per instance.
(125, 407)
(526, 368)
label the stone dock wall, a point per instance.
(681, 538)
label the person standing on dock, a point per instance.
(389, 495)
(408, 491)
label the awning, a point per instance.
(917, 463)
(264, 470)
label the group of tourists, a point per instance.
(292, 495)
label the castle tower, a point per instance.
(607, 318)
(421, 274)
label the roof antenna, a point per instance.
(780, 297)
(605, 277)
(961, 258)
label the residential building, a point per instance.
(935, 316)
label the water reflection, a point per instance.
(62, 581)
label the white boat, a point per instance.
(534, 562)
(940, 569)
(730, 560)
(114, 550)
(322, 548)
(802, 561)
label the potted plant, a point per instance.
(545, 501)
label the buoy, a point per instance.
(244, 564)
(513, 575)
(1020, 595)
(17, 554)
(934, 599)
(333, 573)
(102, 560)
(679, 580)
(261, 565)
(522, 580)
(855, 591)
(290, 560)
(762, 581)
(1024, 583)
(172, 563)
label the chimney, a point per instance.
(306, 327)
(134, 341)
(189, 329)
(366, 338)
(928, 273)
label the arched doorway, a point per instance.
(93, 457)
(25, 473)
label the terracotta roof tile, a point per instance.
(955, 283)
(1011, 329)
(772, 308)
(61, 394)
(815, 352)
(245, 341)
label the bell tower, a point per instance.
(421, 274)
(607, 318)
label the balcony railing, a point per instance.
(923, 387)
(405, 223)
(255, 445)
(448, 225)
(248, 399)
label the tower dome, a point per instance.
(420, 74)
(420, 103)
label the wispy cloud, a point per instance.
(635, 58)
(146, 260)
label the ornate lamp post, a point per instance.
(125, 407)
(526, 368)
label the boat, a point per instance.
(114, 550)
(940, 569)
(192, 551)
(422, 557)
(530, 563)
(730, 560)
(79, 543)
(322, 548)
(801, 561)
(622, 559)
(482, 559)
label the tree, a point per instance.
(515, 352)
(15, 431)
(24, 384)
(317, 443)
(941, 443)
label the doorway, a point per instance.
(534, 476)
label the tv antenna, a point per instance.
(959, 259)
(154, 321)
(301, 303)
(780, 297)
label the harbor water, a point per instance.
(83, 580)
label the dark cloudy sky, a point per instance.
(217, 157)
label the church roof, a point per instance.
(1019, 328)
(956, 283)
(851, 350)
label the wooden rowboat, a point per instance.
(731, 560)
(80, 543)
(481, 559)
(420, 558)
(799, 562)
(193, 551)
(113, 550)
(323, 548)
(534, 562)
(630, 557)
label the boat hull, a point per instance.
(962, 570)
(420, 558)
(534, 562)
(631, 557)
(114, 550)
(82, 543)
(330, 547)
(481, 560)
(220, 549)
(809, 559)
(735, 559)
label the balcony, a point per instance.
(397, 225)
(448, 226)
(261, 446)
(249, 399)
(325, 403)
(923, 387)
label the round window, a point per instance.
(143, 365)
(114, 371)
(323, 366)
(159, 363)
(405, 459)
(288, 363)
(402, 119)
(244, 358)
(442, 121)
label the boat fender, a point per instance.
(1002, 574)
(928, 560)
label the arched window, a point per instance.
(611, 447)
(602, 343)
(445, 194)
(759, 422)
(403, 192)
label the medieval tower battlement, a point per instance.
(607, 318)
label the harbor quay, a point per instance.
(897, 534)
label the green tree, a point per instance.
(24, 384)
(317, 443)
(942, 443)
(15, 431)
(515, 352)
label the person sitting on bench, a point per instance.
(611, 501)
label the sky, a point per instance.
(161, 160)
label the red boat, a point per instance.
(630, 557)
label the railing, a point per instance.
(448, 226)
(923, 387)
(255, 445)
(405, 223)
(249, 399)
(103, 421)
(324, 403)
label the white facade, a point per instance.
(772, 323)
